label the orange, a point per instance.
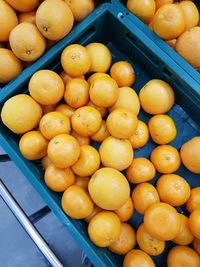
(122, 72)
(116, 153)
(190, 154)
(182, 256)
(127, 99)
(137, 258)
(160, 3)
(82, 140)
(65, 109)
(144, 10)
(21, 113)
(144, 195)
(162, 221)
(97, 75)
(57, 179)
(45, 162)
(122, 123)
(46, 87)
(165, 159)
(54, 25)
(96, 210)
(86, 121)
(191, 14)
(109, 189)
(126, 240)
(141, 135)
(156, 97)
(75, 60)
(88, 162)
(82, 182)
(54, 123)
(126, 211)
(194, 223)
(66, 78)
(80, 9)
(101, 134)
(169, 21)
(187, 46)
(103, 111)
(184, 236)
(196, 245)
(162, 129)
(104, 228)
(100, 57)
(173, 189)
(194, 200)
(47, 108)
(76, 202)
(23, 5)
(171, 43)
(141, 170)
(104, 92)
(26, 42)
(77, 93)
(8, 20)
(27, 17)
(63, 150)
(147, 243)
(33, 145)
(10, 65)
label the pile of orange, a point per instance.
(92, 101)
(28, 27)
(175, 21)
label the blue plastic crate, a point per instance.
(121, 5)
(44, 59)
(126, 42)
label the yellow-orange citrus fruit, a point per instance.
(82, 140)
(106, 185)
(147, 243)
(23, 5)
(46, 87)
(54, 19)
(57, 179)
(104, 91)
(27, 17)
(82, 182)
(141, 135)
(47, 108)
(103, 111)
(80, 9)
(194, 223)
(75, 60)
(21, 113)
(127, 98)
(126, 211)
(45, 162)
(126, 240)
(10, 65)
(191, 14)
(156, 97)
(165, 158)
(76, 202)
(194, 200)
(173, 189)
(63, 150)
(65, 109)
(144, 195)
(122, 72)
(169, 21)
(97, 75)
(26, 42)
(162, 221)
(101, 134)
(111, 148)
(96, 210)
(137, 258)
(162, 129)
(160, 3)
(196, 245)
(122, 123)
(66, 78)
(104, 228)
(141, 170)
(184, 236)
(86, 120)
(182, 256)
(190, 154)
(33, 145)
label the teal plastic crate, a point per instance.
(44, 59)
(126, 42)
(121, 5)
